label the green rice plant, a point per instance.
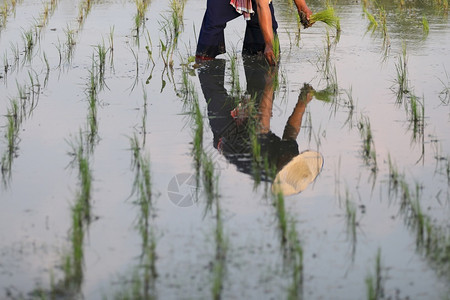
(149, 48)
(73, 262)
(136, 61)
(15, 52)
(402, 76)
(425, 26)
(139, 18)
(444, 94)
(416, 112)
(29, 41)
(198, 135)
(276, 48)
(177, 12)
(111, 46)
(142, 189)
(384, 31)
(374, 283)
(235, 82)
(43, 17)
(295, 290)
(47, 65)
(209, 179)
(350, 214)
(69, 44)
(6, 65)
(171, 26)
(34, 90)
(4, 11)
(84, 9)
(93, 85)
(282, 217)
(327, 16)
(368, 148)
(394, 177)
(14, 119)
(219, 263)
(101, 52)
(22, 92)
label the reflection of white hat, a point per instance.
(295, 176)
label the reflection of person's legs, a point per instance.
(294, 122)
(254, 41)
(211, 41)
(211, 77)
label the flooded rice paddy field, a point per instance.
(113, 186)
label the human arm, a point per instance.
(265, 23)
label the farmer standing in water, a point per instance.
(259, 34)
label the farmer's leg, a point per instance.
(211, 41)
(254, 40)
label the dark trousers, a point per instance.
(211, 41)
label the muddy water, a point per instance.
(41, 186)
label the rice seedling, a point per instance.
(394, 176)
(295, 290)
(425, 26)
(402, 76)
(416, 112)
(350, 214)
(4, 11)
(92, 88)
(384, 31)
(198, 134)
(219, 264)
(209, 179)
(290, 244)
(368, 148)
(149, 48)
(276, 48)
(84, 9)
(235, 83)
(101, 51)
(14, 119)
(34, 90)
(5, 66)
(374, 283)
(29, 41)
(70, 43)
(177, 12)
(144, 116)
(15, 52)
(444, 94)
(73, 262)
(145, 273)
(47, 65)
(282, 217)
(327, 16)
(139, 18)
(43, 17)
(171, 26)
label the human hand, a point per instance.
(270, 55)
(305, 14)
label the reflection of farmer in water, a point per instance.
(259, 33)
(230, 125)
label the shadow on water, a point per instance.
(241, 127)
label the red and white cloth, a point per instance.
(243, 7)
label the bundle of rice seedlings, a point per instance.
(327, 16)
